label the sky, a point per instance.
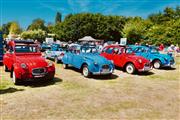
(24, 11)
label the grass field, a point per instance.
(154, 95)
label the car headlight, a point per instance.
(165, 59)
(139, 60)
(49, 63)
(95, 63)
(23, 65)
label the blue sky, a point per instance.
(24, 11)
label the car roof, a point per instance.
(24, 41)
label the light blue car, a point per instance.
(87, 59)
(56, 53)
(151, 53)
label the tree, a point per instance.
(34, 34)
(15, 28)
(37, 24)
(58, 17)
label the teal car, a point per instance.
(88, 60)
(157, 59)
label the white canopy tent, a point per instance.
(88, 39)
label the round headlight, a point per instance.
(23, 65)
(49, 63)
(95, 63)
(140, 61)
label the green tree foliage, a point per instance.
(15, 28)
(163, 27)
(58, 17)
(34, 34)
(37, 24)
(86, 24)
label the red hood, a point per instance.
(135, 57)
(32, 60)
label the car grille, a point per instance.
(105, 67)
(38, 71)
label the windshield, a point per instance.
(129, 50)
(89, 50)
(25, 49)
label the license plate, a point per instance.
(105, 70)
(39, 76)
(146, 68)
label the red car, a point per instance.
(25, 62)
(124, 58)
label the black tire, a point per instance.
(85, 71)
(130, 69)
(65, 66)
(157, 64)
(14, 79)
(5, 68)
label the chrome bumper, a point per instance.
(103, 73)
(145, 69)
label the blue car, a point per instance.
(1, 48)
(87, 59)
(56, 52)
(151, 53)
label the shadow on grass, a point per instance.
(105, 77)
(145, 73)
(167, 68)
(41, 83)
(10, 90)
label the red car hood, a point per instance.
(32, 61)
(135, 57)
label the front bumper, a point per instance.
(31, 77)
(103, 72)
(145, 69)
(172, 65)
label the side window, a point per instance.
(138, 50)
(109, 50)
(117, 51)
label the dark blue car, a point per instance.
(151, 53)
(1, 47)
(87, 59)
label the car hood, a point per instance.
(32, 61)
(136, 57)
(163, 56)
(96, 58)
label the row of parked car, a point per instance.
(25, 62)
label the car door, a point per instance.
(118, 56)
(77, 59)
(108, 53)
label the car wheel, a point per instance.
(56, 60)
(130, 68)
(157, 64)
(65, 66)
(14, 79)
(85, 71)
(5, 68)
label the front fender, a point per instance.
(18, 70)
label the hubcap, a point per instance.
(156, 65)
(85, 71)
(129, 69)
